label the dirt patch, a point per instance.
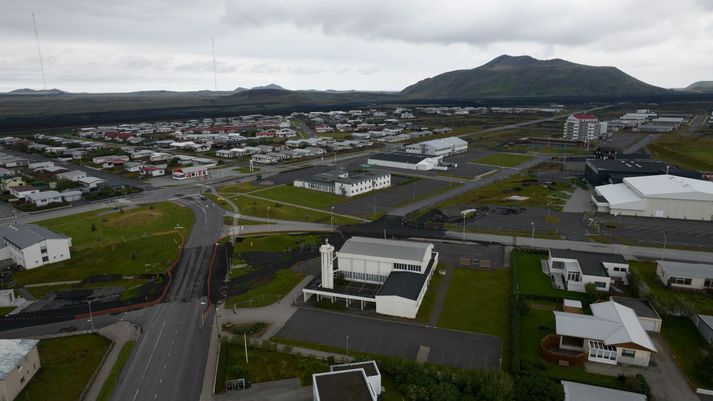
(136, 219)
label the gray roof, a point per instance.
(641, 307)
(386, 248)
(687, 270)
(589, 262)
(400, 157)
(44, 195)
(403, 284)
(24, 235)
(585, 392)
(707, 319)
(369, 367)
(12, 352)
(349, 385)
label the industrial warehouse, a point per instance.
(392, 274)
(665, 196)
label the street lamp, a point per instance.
(665, 240)
(532, 238)
(464, 227)
(91, 318)
(268, 218)
(331, 220)
(347, 346)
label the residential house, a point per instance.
(19, 362)
(91, 183)
(21, 191)
(74, 175)
(44, 198)
(686, 276)
(572, 270)
(31, 246)
(264, 159)
(133, 167)
(585, 392)
(8, 182)
(612, 335)
(152, 171)
(4, 173)
(71, 196)
(704, 324)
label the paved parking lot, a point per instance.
(445, 347)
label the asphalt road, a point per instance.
(169, 359)
(445, 347)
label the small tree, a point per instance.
(704, 365)
(94, 227)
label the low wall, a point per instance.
(548, 350)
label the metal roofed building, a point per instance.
(665, 196)
(438, 147)
(407, 161)
(648, 317)
(31, 246)
(398, 270)
(341, 183)
(691, 276)
(344, 385)
(585, 392)
(611, 335)
(19, 361)
(613, 171)
(573, 270)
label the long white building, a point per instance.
(342, 183)
(438, 147)
(31, 246)
(399, 272)
(666, 196)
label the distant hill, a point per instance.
(524, 76)
(28, 91)
(701, 86)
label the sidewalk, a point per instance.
(120, 333)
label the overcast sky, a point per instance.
(129, 45)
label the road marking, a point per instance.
(146, 368)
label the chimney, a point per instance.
(327, 252)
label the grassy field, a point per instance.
(4, 310)
(426, 308)
(478, 301)
(128, 285)
(303, 197)
(504, 159)
(554, 195)
(274, 243)
(532, 281)
(258, 208)
(264, 365)
(283, 282)
(700, 302)
(239, 188)
(68, 364)
(110, 383)
(684, 151)
(687, 346)
(544, 150)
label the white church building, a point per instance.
(398, 272)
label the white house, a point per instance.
(584, 392)
(572, 270)
(152, 171)
(21, 191)
(19, 361)
(439, 147)
(31, 246)
(611, 335)
(665, 195)
(185, 173)
(91, 183)
(265, 159)
(689, 276)
(341, 183)
(333, 386)
(74, 175)
(44, 198)
(398, 272)
(71, 196)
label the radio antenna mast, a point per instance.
(215, 74)
(39, 53)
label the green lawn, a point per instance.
(128, 285)
(4, 310)
(258, 208)
(687, 346)
(554, 195)
(504, 159)
(699, 301)
(531, 281)
(684, 151)
(111, 226)
(425, 310)
(478, 301)
(283, 282)
(264, 365)
(303, 197)
(240, 187)
(149, 255)
(110, 383)
(275, 243)
(68, 364)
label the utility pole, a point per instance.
(532, 238)
(91, 318)
(665, 240)
(245, 340)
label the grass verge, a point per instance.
(283, 282)
(504, 159)
(110, 383)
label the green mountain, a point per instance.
(524, 76)
(701, 86)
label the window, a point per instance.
(708, 283)
(681, 280)
(601, 284)
(630, 353)
(558, 264)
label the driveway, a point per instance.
(667, 381)
(580, 201)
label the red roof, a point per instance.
(585, 116)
